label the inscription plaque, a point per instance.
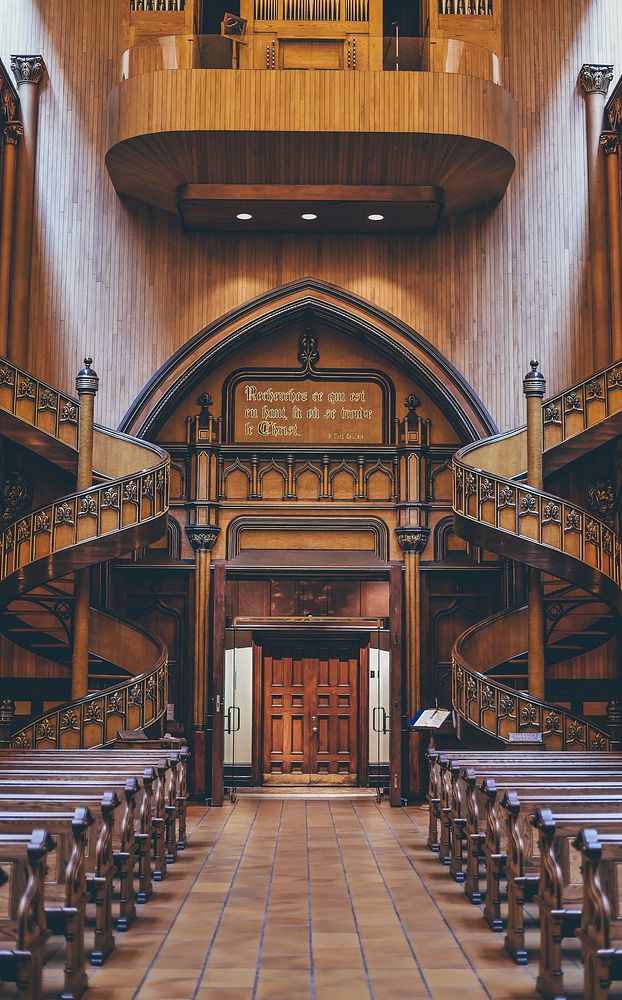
(308, 411)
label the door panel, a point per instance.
(310, 705)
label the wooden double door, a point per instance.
(314, 712)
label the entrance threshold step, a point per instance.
(307, 792)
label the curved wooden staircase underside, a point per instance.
(580, 554)
(125, 509)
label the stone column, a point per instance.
(87, 384)
(12, 132)
(595, 80)
(610, 143)
(534, 386)
(28, 72)
(202, 538)
(412, 542)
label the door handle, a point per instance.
(314, 729)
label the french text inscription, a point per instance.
(313, 411)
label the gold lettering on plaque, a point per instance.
(311, 411)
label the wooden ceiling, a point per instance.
(293, 130)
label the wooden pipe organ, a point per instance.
(312, 34)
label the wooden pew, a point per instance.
(73, 791)
(100, 879)
(65, 884)
(436, 759)
(175, 792)
(454, 795)
(522, 871)
(560, 886)
(600, 932)
(25, 916)
(167, 804)
(465, 796)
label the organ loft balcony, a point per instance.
(312, 115)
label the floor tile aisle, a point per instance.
(298, 899)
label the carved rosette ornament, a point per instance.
(595, 78)
(412, 539)
(610, 143)
(202, 537)
(27, 69)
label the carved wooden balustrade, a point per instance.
(493, 508)
(125, 509)
(346, 476)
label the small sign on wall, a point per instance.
(170, 712)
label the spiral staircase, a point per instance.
(580, 557)
(125, 509)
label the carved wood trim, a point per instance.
(292, 303)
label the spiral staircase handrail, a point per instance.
(495, 508)
(117, 514)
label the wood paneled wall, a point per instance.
(495, 286)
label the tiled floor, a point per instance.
(310, 900)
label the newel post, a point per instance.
(87, 384)
(534, 386)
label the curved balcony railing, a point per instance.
(495, 509)
(125, 509)
(267, 49)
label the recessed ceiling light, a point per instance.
(375, 218)
(244, 216)
(309, 216)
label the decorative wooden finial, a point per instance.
(87, 380)
(534, 382)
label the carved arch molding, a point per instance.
(299, 302)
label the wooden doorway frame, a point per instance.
(362, 722)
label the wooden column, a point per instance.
(87, 384)
(202, 538)
(595, 80)
(610, 143)
(396, 604)
(12, 132)
(534, 386)
(28, 72)
(412, 541)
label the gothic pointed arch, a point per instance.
(307, 300)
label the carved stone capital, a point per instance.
(12, 133)
(610, 143)
(412, 539)
(202, 537)
(595, 78)
(28, 69)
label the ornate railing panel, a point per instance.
(501, 712)
(38, 404)
(538, 517)
(95, 720)
(582, 406)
